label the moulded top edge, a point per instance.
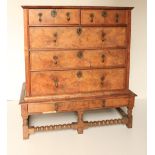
(81, 7)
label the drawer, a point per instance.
(38, 107)
(77, 37)
(103, 17)
(54, 16)
(92, 104)
(77, 105)
(68, 59)
(74, 81)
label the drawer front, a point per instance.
(77, 105)
(61, 82)
(54, 16)
(92, 104)
(58, 60)
(76, 37)
(38, 107)
(103, 17)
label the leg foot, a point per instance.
(24, 113)
(80, 130)
(80, 125)
(129, 123)
(25, 132)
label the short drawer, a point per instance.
(74, 81)
(54, 16)
(103, 17)
(77, 37)
(69, 59)
(41, 108)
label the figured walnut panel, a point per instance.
(92, 104)
(103, 16)
(61, 82)
(58, 60)
(116, 102)
(39, 108)
(76, 38)
(54, 16)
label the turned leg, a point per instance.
(80, 125)
(24, 114)
(129, 123)
(129, 112)
(25, 127)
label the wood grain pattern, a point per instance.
(61, 82)
(58, 60)
(103, 16)
(63, 16)
(90, 37)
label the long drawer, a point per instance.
(77, 37)
(68, 59)
(77, 105)
(73, 81)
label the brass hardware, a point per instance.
(55, 35)
(102, 80)
(80, 54)
(103, 34)
(56, 81)
(79, 30)
(103, 103)
(68, 16)
(104, 14)
(57, 104)
(91, 17)
(53, 13)
(40, 15)
(55, 58)
(117, 17)
(103, 58)
(79, 74)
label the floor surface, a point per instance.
(107, 140)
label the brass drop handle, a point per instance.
(102, 81)
(55, 59)
(91, 17)
(103, 103)
(104, 14)
(102, 58)
(79, 30)
(68, 16)
(103, 34)
(80, 54)
(79, 74)
(56, 82)
(117, 18)
(55, 36)
(40, 16)
(53, 13)
(57, 105)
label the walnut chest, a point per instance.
(76, 59)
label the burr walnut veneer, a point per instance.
(76, 59)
